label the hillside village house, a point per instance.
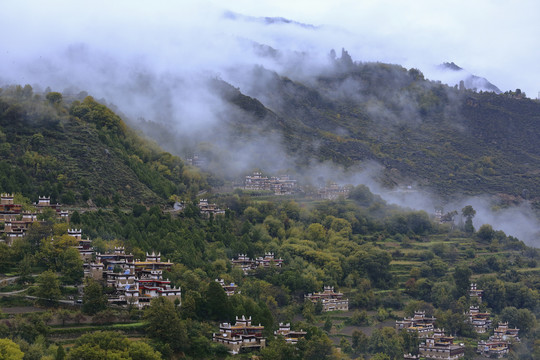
(480, 321)
(475, 293)
(134, 282)
(498, 344)
(291, 336)
(8, 209)
(441, 347)
(230, 289)
(330, 299)
(208, 209)
(334, 191)
(241, 337)
(247, 264)
(44, 202)
(84, 245)
(17, 222)
(279, 185)
(420, 323)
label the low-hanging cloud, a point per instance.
(153, 62)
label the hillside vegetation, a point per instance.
(79, 150)
(388, 261)
(453, 141)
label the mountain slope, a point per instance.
(450, 140)
(78, 151)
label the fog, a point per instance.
(154, 63)
(518, 221)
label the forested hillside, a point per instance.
(449, 140)
(387, 261)
(76, 150)
(455, 141)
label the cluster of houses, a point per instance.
(330, 299)
(17, 222)
(439, 346)
(479, 320)
(436, 344)
(244, 336)
(247, 264)
(196, 160)
(498, 344)
(419, 323)
(205, 208)
(285, 185)
(279, 185)
(334, 191)
(208, 209)
(135, 282)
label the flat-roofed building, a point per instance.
(419, 323)
(330, 299)
(441, 347)
(240, 337)
(290, 336)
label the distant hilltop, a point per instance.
(470, 81)
(266, 20)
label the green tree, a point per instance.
(494, 292)
(362, 195)
(163, 324)
(316, 232)
(319, 307)
(25, 269)
(523, 319)
(308, 311)
(359, 341)
(278, 349)
(359, 318)
(381, 356)
(48, 215)
(72, 266)
(217, 302)
(462, 278)
(48, 286)
(252, 214)
(93, 299)
(485, 233)
(386, 341)
(60, 353)
(75, 218)
(9, 350)
(64, 315)
(111, 345)
(5, 257)
(410, 342)
(345, 346)
(319, 347)
(54, 97)
(327, 325)
(468, 212)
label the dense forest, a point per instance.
(388, 261)
(76, 150)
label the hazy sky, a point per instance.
(147, 57)
(491, 38)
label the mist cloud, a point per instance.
(153, 62)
